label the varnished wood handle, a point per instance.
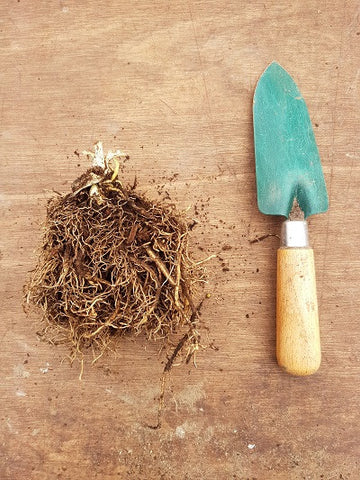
(297, 323)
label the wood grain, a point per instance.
(171, 83)
(298, 349)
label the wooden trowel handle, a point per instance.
(298, 348)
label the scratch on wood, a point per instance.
(163, 101)
(208, 104)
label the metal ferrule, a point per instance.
(294, 234)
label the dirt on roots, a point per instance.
(114, 263)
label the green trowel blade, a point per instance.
(287, 159)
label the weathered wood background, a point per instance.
(171, 83)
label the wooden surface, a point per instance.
(298, 349)
(171, 83)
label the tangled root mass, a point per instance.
(114, 263)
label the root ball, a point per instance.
(114, 263)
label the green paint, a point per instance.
(287, 159)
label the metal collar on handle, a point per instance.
(294, 234)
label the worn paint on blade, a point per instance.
(287, 158)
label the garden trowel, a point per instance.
(290, 182)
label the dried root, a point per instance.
(114, 263)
